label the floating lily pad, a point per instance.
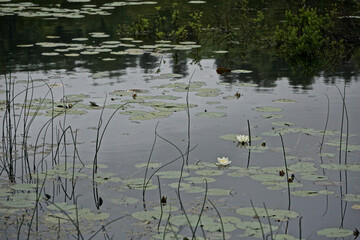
(218, 192)
(231, 137)
(330, 155)
(172, 174)
(125, 200)
(221, 51)
(200, 179)
(197, 2)
(150, 115)
(137, 183)
(268, 109)
(243, 84)
(272, 116)
(305, 193)
(351, 197)
(336, 166)
(314, 177)
(283, 124)
(284, 237)
(273, 213)
(24, 186)
(151, 165)
(242, 71)
(284, 100)
(303, 167)
(335, 232)
(267, 177)
(209, 172)
(254, 229)
(211, 114)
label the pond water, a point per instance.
(87, 97)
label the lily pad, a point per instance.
(172, 174)
(242, 71)
(125, 200)
(211, 114)
(335, 232)
(351, 197)
(273, 213)
(268, 109)
(272, 116)
(284, 100)
(209, 172)
(282, 124)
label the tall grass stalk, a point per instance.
(147, 166)
(99, 138)
(161, 204)
(268, 218)
(221, 222)
(286, 171)
(326, 123)
(188, 119)
(258, 218)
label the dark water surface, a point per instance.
(70, 67)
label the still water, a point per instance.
(176, 107)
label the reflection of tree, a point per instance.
(179, 63)
(148, 62)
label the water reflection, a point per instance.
(266, 69)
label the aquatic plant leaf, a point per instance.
(150, 115)
(257, 149)
(330, 155)
(172, 174)
(194, 189)
(137, 184)
(209, 172)
(284, 237)
(199, 179)
(220, 51)
(282, 124)
(231, 137)
(63, 206)
(242, 71)
(124, 200)
(151, 165)
(314, 177)
(272, 116)
(281, 185)
(253, 229)
(211, 114)
(24, 186)
(335, 232)
(267, 177)
(356, 206)
(303, 167)
(218, 192)
(197, 2)
(181, 220)
(85, 213)
(305, 193)
(351, 197)
(273, 213)
(268, 109)
(149, 215)
(183, 185)
(336, 166)
(284, 100)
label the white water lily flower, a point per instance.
(224, 161)
(243, 139)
